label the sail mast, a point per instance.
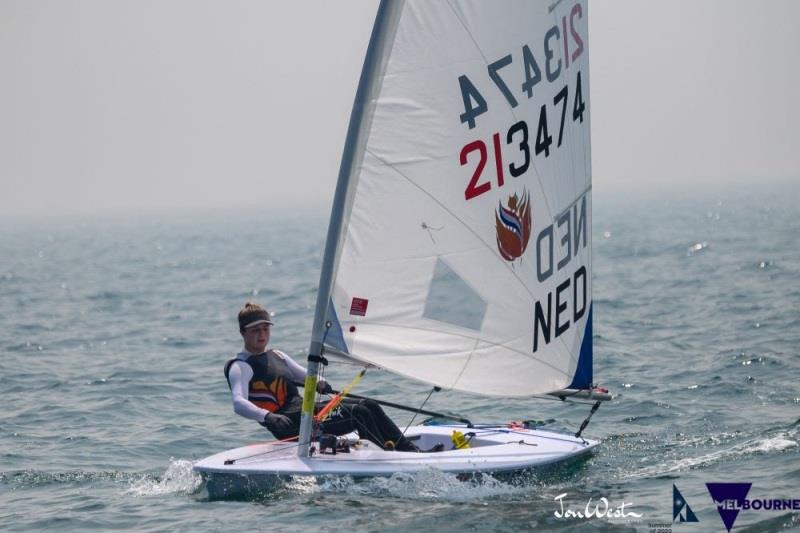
(368, 88)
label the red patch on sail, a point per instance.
(359, 307)
(513, 223)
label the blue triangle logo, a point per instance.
(729, 499)
(680, 507)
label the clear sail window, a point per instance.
(450, 299)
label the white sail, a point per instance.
(464, 258)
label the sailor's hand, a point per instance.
(323, 387)
(278, 423)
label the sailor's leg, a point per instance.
(385, 426)
(340, 421)
(351, 416)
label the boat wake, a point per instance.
(23, 479)
(674, 457)
(178, 479)
(427, 485)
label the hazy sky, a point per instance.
(123, 105)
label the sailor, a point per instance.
(263, 388)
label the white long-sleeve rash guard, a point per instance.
(240, 374)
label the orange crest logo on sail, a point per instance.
(513, 226)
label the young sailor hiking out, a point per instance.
(263, 388)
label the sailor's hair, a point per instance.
(253, 314)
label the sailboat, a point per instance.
(458, 252)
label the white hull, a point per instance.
(497, 449)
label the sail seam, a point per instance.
(466, 363)
(487, 342)
(430, 382)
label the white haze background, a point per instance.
(110, 106)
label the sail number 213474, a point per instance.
(518, 135)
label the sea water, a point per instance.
(114, 331)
